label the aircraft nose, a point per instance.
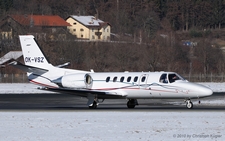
(205, 91)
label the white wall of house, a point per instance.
(78, 29)
(89, 32)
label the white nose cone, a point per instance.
(204, 91)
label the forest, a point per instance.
(149, 34)
(130, 15)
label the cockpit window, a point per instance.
(173, 77)
(163, 78)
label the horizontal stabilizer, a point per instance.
(63, 65)
(27, 68)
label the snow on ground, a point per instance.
(216, 87)
(20, 88)
(112, 126)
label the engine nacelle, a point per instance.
(80, 80)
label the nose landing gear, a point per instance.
(189, 104)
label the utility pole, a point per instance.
(117, 7)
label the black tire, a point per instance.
(94, 105)
(130, 104)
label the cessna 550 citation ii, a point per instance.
(97, 86)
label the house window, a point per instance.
(107, 30)
(81, 29)
(93, 30)
(53, 30)
(81, 36)
(93, 37)
(74, 23)
(74, 30)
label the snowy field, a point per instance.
(109, 125)
(20, 88)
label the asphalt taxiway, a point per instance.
(47, 101)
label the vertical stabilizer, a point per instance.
(32, 54)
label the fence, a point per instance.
(205, 78)
(22, 78)
(13, 78)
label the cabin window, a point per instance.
(128, 79)
(143, 79)
(121, 79)
(135, 79)
(114, 79)
(107, 79)
(163, 78)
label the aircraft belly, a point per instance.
(153, 93)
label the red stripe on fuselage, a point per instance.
(108, 89)
(43, 84)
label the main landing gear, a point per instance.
(94, 105)
(131, 103)
(189, 104)
(92, 101)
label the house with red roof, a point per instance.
(47, 27)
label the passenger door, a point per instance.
(143, 81)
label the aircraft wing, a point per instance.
(27, 68)
(84, 93)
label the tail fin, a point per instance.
(32, 54)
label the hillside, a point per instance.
(150, 34)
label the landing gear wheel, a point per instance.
(131, 103)
(189, 104)
(94, 105)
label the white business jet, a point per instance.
(97, 86)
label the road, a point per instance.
(70, 102)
